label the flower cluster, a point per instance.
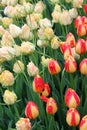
(43, 51)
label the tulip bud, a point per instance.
(53, 66)
(46, 90)
(83, 123)
(85, 8)
(81, 30)
(81, 46)
(64, 46)
(77, 21)
(83, 66)
(31, 110)
(68, 53)
(9, 97)
(18, 67)
(23, 124)
(51, 105)
(15, 31)
(70, 39)
(6, 78)
(72, 117)
(38, 84)
(71, 98)
(70, 65)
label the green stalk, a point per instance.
(16, 111)
(74, 128)
(29, 92)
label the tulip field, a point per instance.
(43, 64)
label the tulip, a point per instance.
(70, 65)
(72, 117)
(68, 53)
(83, 123)
(15, 31)
(18, 67)
(77, 21)
(27, 47)
(9, 97)
(51, 105)
(64, 46)
(32, 69)
(46, 90)
(53, 66)
(77, 3)
(81, 30)
(70, 39)
(71, 98)
(83, 66)
(23, 124)
(81, 46)
(85, 8)
(38, 84)
(31, 110)
(6, 78)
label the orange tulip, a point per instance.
(72, 117)
(68, 53)
(64, 46)
(70, 65)
(71, 98)
(31, 110)
(81, 30)
(77, 21)
(70, 39)
(83, 66)
(38, 84)
(81, 46)
(85, 8)
(46, 90)
(53, 66)
(83, 123)
(51, 105)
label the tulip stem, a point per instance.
(74, 128)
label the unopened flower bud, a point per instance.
(72, 117)
(9, 97)
(83, 66)
(6, 21)
(32, 69)
(64, 46)
(18, 67)
(77, 3)
(68, 53)
(38, 84)
(83, 123)
(55, 42)
(46, 90)
(81, 30)
(53, 66)
(81, 46)
(70, 65)
(51, 105)
(23, 124)
(31, 110)
(70, 39)
(27, 47)
(15, 31)
(44, 61)
(6, 78)
(71, 98)
(85, 8)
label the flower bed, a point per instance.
(43, 65)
